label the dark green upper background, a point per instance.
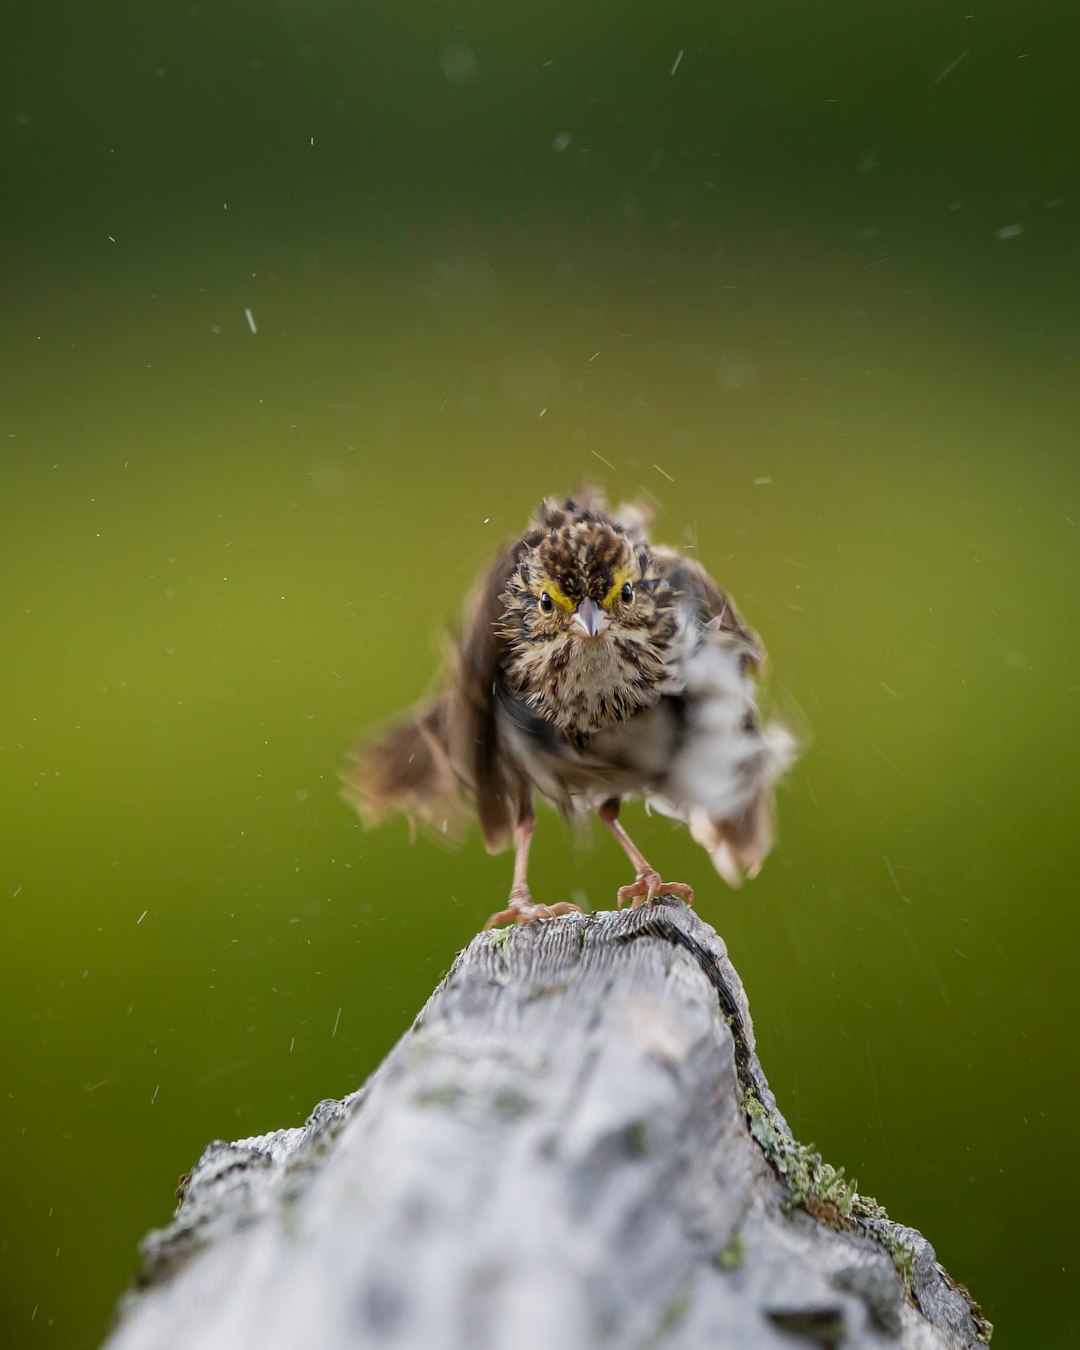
(812, 291)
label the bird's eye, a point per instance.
(546, 602)
(626, 595)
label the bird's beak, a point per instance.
(589, 619)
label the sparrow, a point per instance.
(592, 667)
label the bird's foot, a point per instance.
(648, 885)
(523, 909)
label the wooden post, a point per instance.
(573, 1147)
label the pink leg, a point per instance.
(647, 883)
(522, 908)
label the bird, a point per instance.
(592, 667)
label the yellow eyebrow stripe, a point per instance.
(622, 576)
(556, 594)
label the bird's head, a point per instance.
(587, 620)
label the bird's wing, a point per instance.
(713, 608)
(428, 764)
(500, 793)
(721, 776)
(406, 767)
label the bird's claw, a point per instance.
(523, 909)
(647, 886)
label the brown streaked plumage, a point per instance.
(593, 666)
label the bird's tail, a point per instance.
(406, 768)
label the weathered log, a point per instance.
(573, 1146)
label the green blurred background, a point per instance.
(805, 274)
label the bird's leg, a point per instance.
(648, 883)
(521, 908)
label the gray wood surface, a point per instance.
(573, 1146)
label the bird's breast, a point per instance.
(584, 685)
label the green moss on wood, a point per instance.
(812, 1183)
(732, 1254)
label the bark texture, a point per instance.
(574, 1147)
